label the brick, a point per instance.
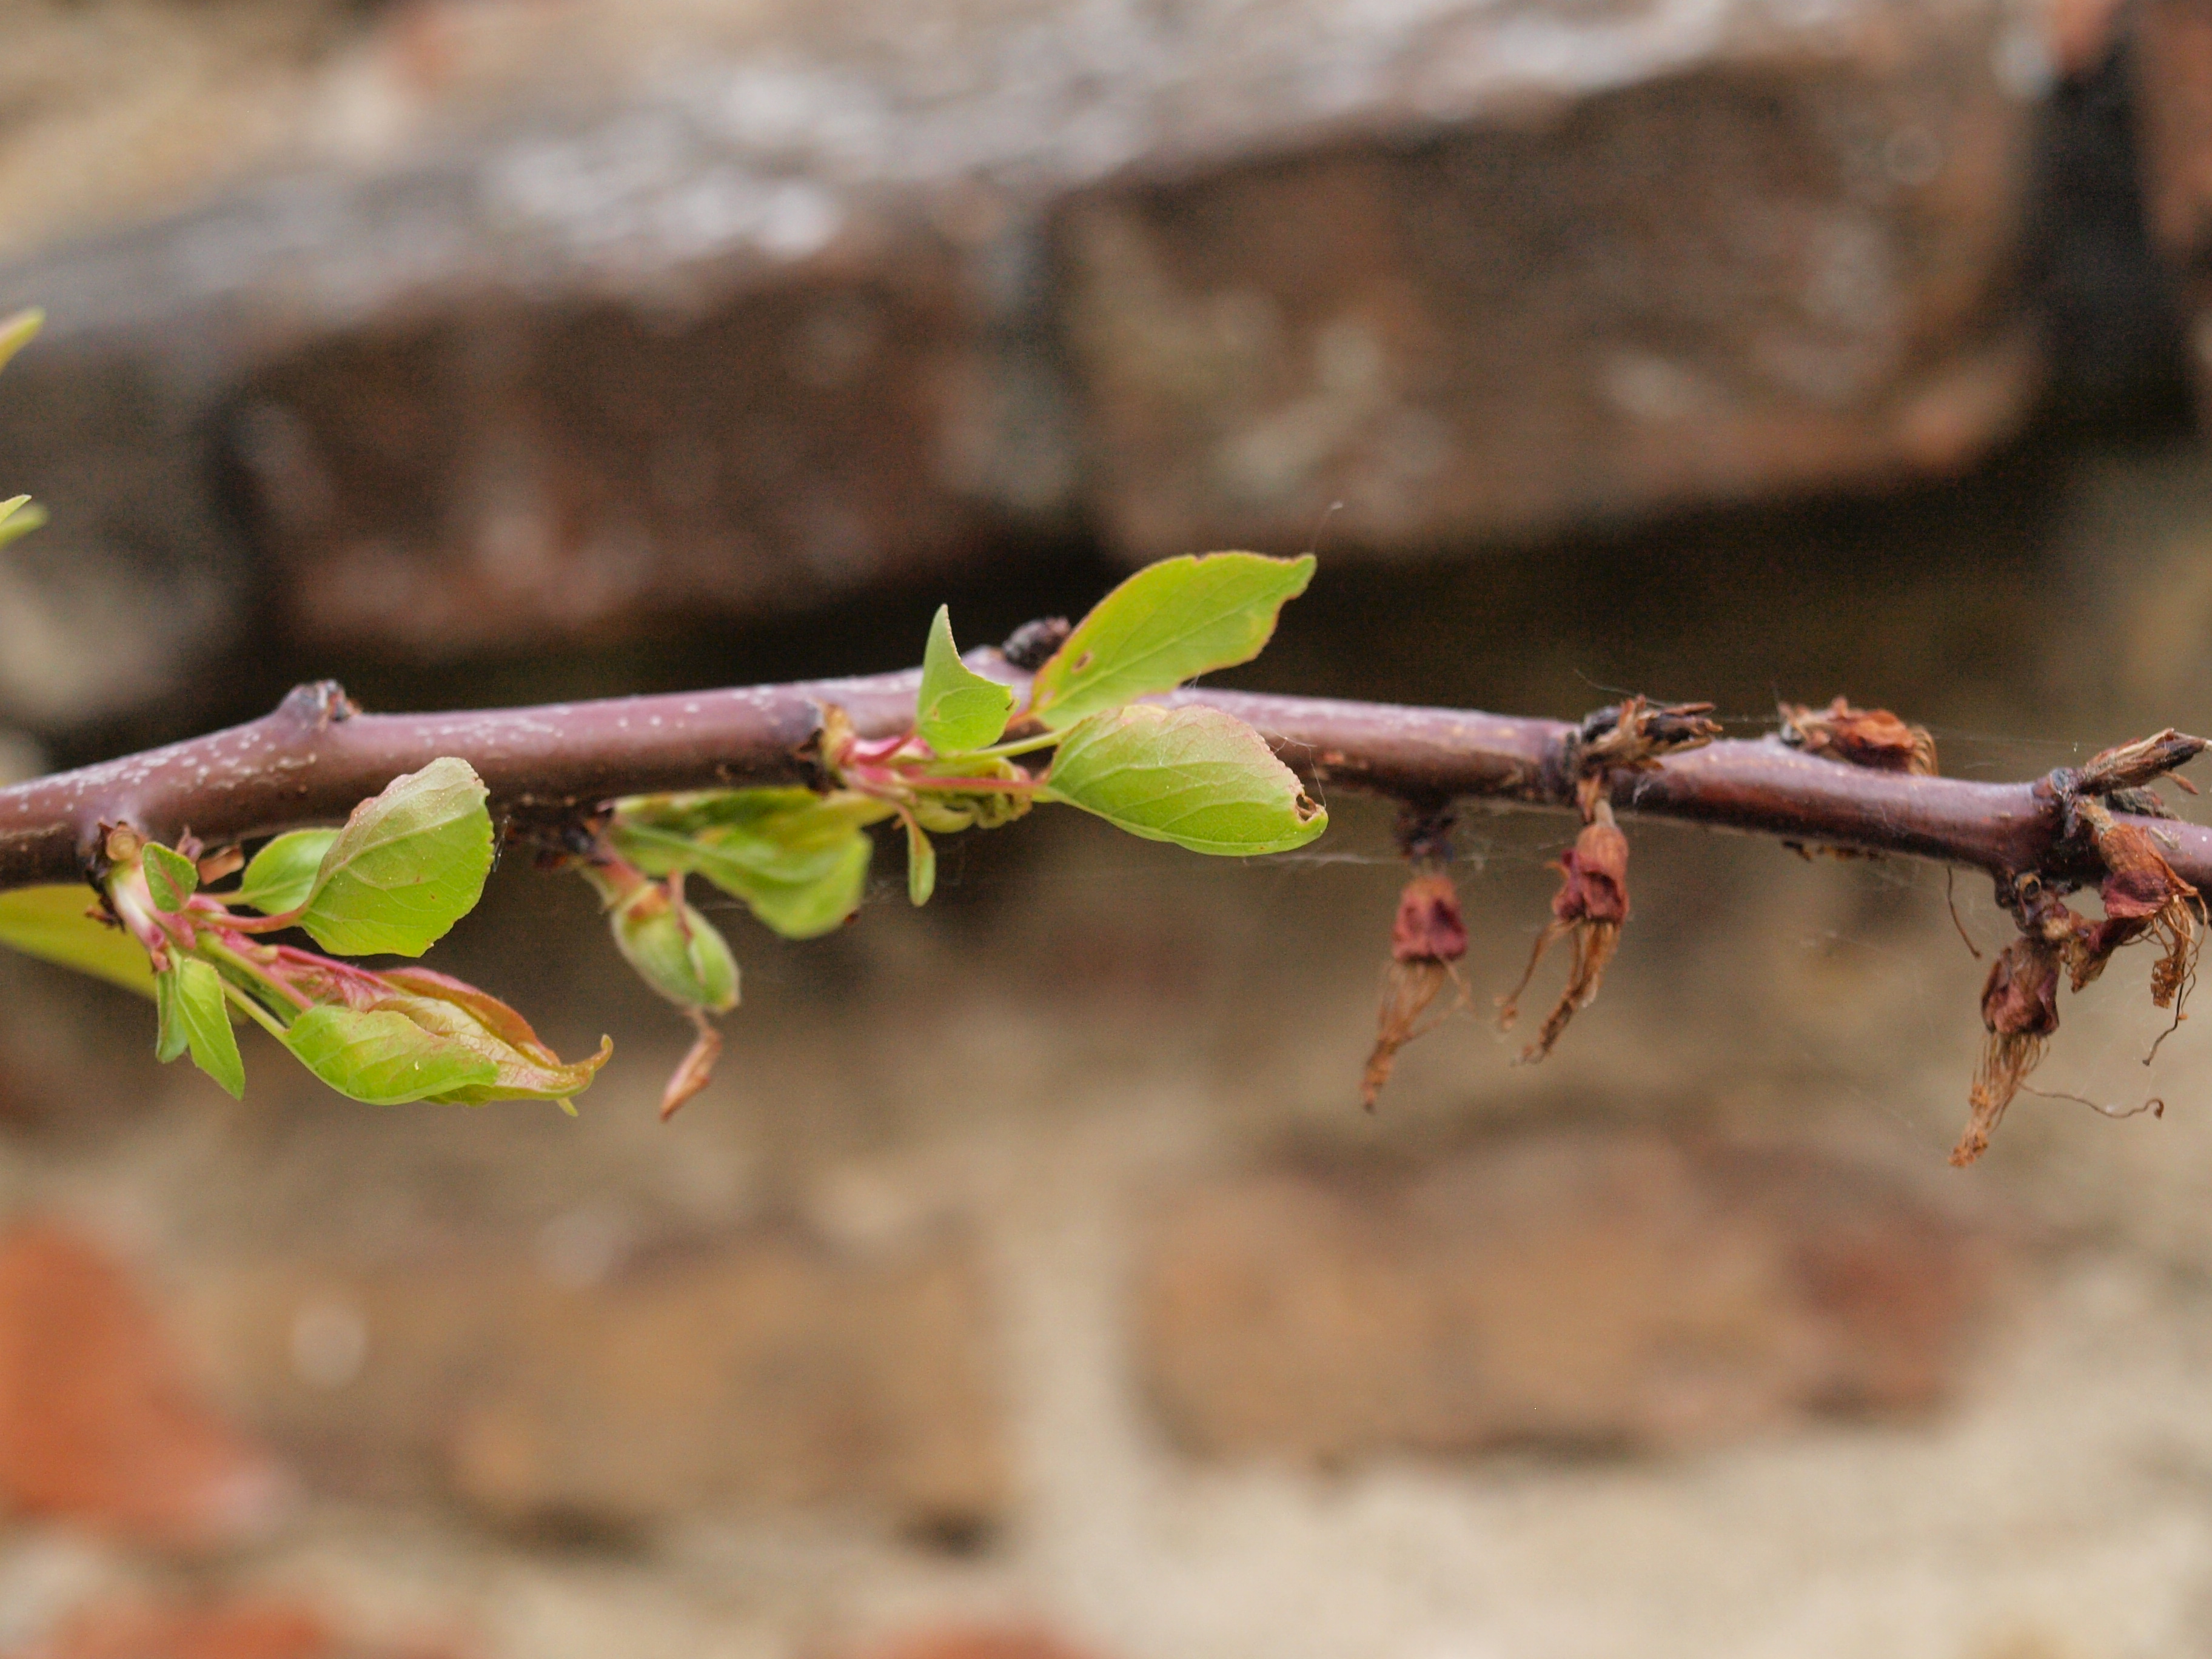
(505, 475)
(1618, 1292)
(767, 1371)
(101, 1423)
(2171, 71)
(240, 1628)
(1737, 283)
(975, 1641)
(576, 346)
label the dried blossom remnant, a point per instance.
(1639, 733)
(1872, 737)
(2143, 895)
(2133, 765)
(1428, 936)
(2020, 1008)
(696, 1070)
(1590, 906)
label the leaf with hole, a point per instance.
(958, 708)
(1170, 622)
(408, 865)
(1197, 777)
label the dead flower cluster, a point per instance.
(2143, 897)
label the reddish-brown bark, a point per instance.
(313, 758)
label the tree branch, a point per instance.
(315, 757)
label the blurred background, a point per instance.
(1029, 1285)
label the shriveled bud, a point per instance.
(695, 1071)
(1872, 737)
(2132, 765)
(1638, 735)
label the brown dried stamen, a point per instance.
(2020, 1008)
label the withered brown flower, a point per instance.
(1590, 906)
(1427, 937)
(1872, 737)
(2143, 895)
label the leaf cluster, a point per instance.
(410, 862)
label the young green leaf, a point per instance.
(382, 1057)
(798, 860)
(524, 1068)
(51, 923)
(1194, 777)
(959, 709)
(170, 1039)
(767, 824)
(19, 516)
(170, 877)
(196, 1015)
(806, 908)
(408, 864)
(920, 865)
(1167, 623)
(16, 332)
(282, 873)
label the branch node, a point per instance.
(317, 704)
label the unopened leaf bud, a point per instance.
(676, 951)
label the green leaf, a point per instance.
(51, 923)
(384, 1058)
(170, 1037)
(776, 822)
(196, 1015)
(1194, 777)
(282, 873)
(920, 865)
(16, 332)
(19, 516)
(1170, 622)
(807, 909)
(524, 1068)
(959, 709)
(408, 864)
(796, 859)
(170, 877)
